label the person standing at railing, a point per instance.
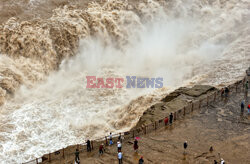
(185, 145)
(101, 148)
(226, 92)
(136, 145)
(88, 146)
(171, 118)
(242, 105)
(119, 157)
(77, 158)
(166, 121)
(119, 146)
(246, 88)
(110, 139)
(141, 161)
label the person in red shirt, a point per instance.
(166, 120)
(101, 148)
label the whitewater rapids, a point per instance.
(44, 63)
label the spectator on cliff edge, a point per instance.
(166, 121)
(242, 105)
(110, 139)
(88, 146)
(246, 86)
(215, 162)
(101, 149)
(222, 161)
(185, 145)
(226, 91)
(136, 145)
(141, 161)
(248, 108)
(77, 158)
(119, 146)
(119, 155)
(171, 118)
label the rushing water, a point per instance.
(44, 64)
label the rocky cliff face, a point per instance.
(173, 102)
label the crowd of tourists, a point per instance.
(168, 120)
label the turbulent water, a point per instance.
(44, 63)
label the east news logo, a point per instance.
(131, 82)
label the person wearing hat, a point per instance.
(222, 161)
(141, 161)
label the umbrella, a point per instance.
(137, 138)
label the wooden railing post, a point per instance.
(155, 125)
(49, 157)
(184, 111)
(192, 108)
(106, 140)
(63, 153)
(92, 145)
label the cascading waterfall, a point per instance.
(44, 64)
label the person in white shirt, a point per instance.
(119, 146)
(120, 157)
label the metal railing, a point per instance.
(211, 97)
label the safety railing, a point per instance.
(194, 105)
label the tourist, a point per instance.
(242, 105)
(211, 149)
(88, 146)
(248, 108)
(246, 88)
(120, 157)
(101, 148)
(215, 162)
(222, 161)
(166, 121)
(185, 145)
(110, 139)
(77, 158)
(119, 146)
(141, 161)
(226, 91)
(136, 145)
(171, 118)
